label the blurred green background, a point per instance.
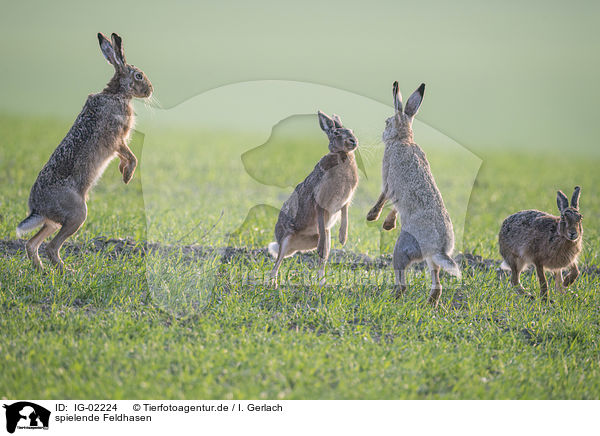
(504, 74)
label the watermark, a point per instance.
(223, 185)
(24, 415)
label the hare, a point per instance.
(316, 204)
(547, 241)
(100, 133)
(426, 231)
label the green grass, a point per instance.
(128, 326)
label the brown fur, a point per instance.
(549, 242)
(99, 134)
(318, 202)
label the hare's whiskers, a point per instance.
(368, 151)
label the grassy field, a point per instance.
(168, 313)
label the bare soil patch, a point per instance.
(116, 248)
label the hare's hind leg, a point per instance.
(516, 267)
(406, 251)
(436, 286)
(73, 218)
(324, 243)
(289, 245)
(34, 243)
(558, 282)
(542, 279)
(283, 249)
(324, 257)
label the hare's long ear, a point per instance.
(414, 101)
(575, 198)
(561, 201)
(337, 121)
(326, 123)
(397, 98)
(117, 44)
(109, 52)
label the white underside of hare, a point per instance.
(308, 234)
(103, 162)
(527, 262)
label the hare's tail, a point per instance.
(33, 221)
(505, 266)
(447, 263)
(273, 248)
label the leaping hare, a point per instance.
(544, 240)
(316, 204)
(407, 181)
(100, 133)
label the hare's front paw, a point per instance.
(570, 279)
(127, 173)
(389, 223)
(373, 214)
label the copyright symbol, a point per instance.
(136, 407)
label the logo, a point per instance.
(26, 415)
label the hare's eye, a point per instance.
(138, 76)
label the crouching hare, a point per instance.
(549, 242)
(426, 228)
(318, 202)
(100, 133)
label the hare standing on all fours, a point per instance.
(546, 241)
(100, 133)
(316, 204)
(426, 228)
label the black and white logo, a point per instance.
(26, 415)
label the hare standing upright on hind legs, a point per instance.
(547, 241)
(316, 204)
(426, 228)
(99, 134)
